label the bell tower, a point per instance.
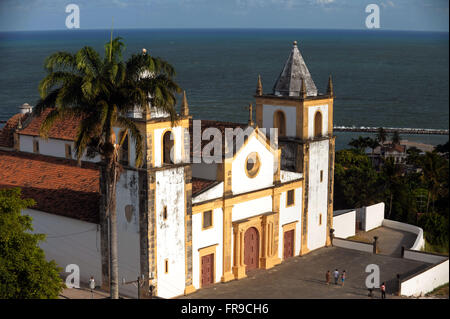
(304, 118)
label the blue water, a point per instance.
(381, 78)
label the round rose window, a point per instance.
(252, 164)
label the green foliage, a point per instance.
(24, 272)
(355, 180)
(435, 229)
(424, 189)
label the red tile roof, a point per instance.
(7, 133)
(64, 129)
(200, 184)
(57, 185)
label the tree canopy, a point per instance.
(24, 272)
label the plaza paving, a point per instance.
(390, 241)
(304, 277)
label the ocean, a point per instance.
(381, 78)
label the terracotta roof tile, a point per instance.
(7, 133)
(200, 184)
(65, 129)
(57, 185)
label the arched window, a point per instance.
(167, 147)
(318, 124)
(124, 149)
(279, 122)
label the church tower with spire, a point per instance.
(304, 119)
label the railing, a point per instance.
(423, 131)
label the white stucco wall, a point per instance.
(419, 243)
(350, 244)
(288, 215)
(178, 143)
(128, 232)
(426, 281)
(240, 182)
(212, 193)
(251, 208)
(50, 147)
(311, 112)
(344, 224)
(424, 257)
(69, 241)
(374, 216)
(204, 238)
(290, 114)
(317, 194)
(170, 233)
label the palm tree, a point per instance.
(360, 144)
(381, 135)
(391, 172)
(396, 138)
(433, 175)
(100, 91)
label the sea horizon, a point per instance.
(390, 78)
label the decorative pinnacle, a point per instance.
(295, 43)
(184, 105)
(144, 51)
(330, 86)
(259, 89)
(250, 114)
(303, 89)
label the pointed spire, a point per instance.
(303, 89)
(259, 89)
(19, 124)
(292, 76)
(184, 105)
(330, 87)
(250, 114)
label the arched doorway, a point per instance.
(251, 249)
(279, 122)
(318, 124)
(167, 147)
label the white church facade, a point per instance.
(185, 223)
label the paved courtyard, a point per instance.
(304, 277)
(390, 241)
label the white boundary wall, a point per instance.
(344, 224)
(426, 281)
(374, 216)
(419, 244)
(424, 257)
(355, 245)
(69, 241)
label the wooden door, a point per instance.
(288, 244)
(207, 268)
(251, 249)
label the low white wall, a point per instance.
(423, 256)
(374, 216)
(69, 241)
(426, 281)
(344, 224)
(355, 245)
(419, 244)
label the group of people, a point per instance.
(336, 276)
(343, 274)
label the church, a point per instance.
(185, 223)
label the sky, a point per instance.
(417, 15)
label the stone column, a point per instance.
(227, 271)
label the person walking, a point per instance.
(383, 291)
(336, 276)
(343, 278)
(328, 277)
(92, 286)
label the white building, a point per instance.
(185, 222)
